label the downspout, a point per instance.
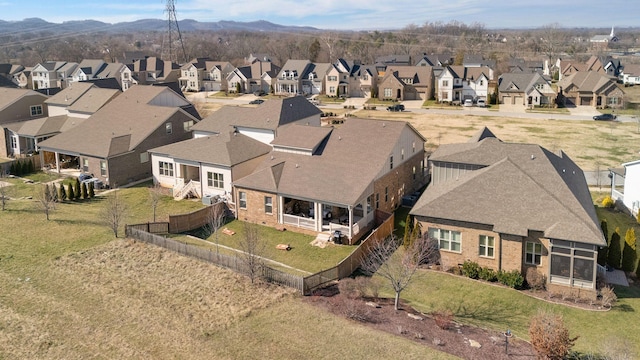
(500, 255)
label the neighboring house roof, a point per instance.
(120, 125)
(69, 95)
(469, 73)
(301, 137)
(420, 75)
(93, 100)
(226, 149)
(9, 96)
(590, 81)
(394, 59)
(91, 67)
(330, 174)
(519, 82)
(44, 126)
(521, 188)
(632, 69)
(269, 115)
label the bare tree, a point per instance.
(45, 200)
(215, 219)
(399, 267)
(4, 191)
(155, 195)
(252, 247)
(113, 212)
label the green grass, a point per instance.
(499, 308)
(616, 219)
(302, 255)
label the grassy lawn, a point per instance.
(549, 110)
(500, 308)
(68, 289)
(302, 255)
(616, 219)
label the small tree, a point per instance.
(54, 192)
(44, 199)
(91, 191)
(252, 248)
(76, 189)
(615, 250)
(62, 193)
(4, 192)
(549, 336)
(114, 212)
(398, 267)
(70, 194)
(629, 256)
(155, 195)
(83, 188)
(215, 220)
(603, 251)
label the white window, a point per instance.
(168, 127)
(332, 89)
(533, 253)
(36, 110)
(481, 82)
(365, 77)
(445, 82)
(103, 168)
(402, 154)
(487, 244)
(388, 92)
(144, 157)
(187, 125)
(268, 204)
(332, 78)
(243, 199)
(14, 142)
(85, 164)
(166, 168)
(449, 240)
(215, 180)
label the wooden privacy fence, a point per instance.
(230, 262)
(145, 232)
(195, 219)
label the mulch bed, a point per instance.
(459, 340)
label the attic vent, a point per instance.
(533, 157)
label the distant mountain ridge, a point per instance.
(37, 24)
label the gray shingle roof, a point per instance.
(68, 96)
(522, 187)
(93, 100)
(224, 149)
(44, 126)
(9, 95)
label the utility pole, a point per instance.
(172, 41)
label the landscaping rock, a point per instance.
(413, 316)
(372, 304)
(474, 344)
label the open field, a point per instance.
(69, 290)
(589, 143)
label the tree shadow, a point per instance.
(485, 312)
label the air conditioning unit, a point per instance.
(207, 200)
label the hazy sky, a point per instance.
(342, 14)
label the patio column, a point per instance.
(57, 162)
(318, 214)
(280, 209)
(350, 223)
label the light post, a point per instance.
(507, 335)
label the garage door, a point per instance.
(506, 100)
(517, 100)
(585, 100)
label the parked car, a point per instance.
(396, 107)
(604, 117)
(259, 93)
(481, 103)
(256, 102)
(97, 183)
(84, 176)
(468, 103)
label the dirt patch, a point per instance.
(464, 341)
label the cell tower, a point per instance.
(172, 41)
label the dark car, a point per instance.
(396, 107)
(604, 117)
(259, 93)
(256, 102)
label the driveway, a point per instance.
(583, 111)
(412, 104)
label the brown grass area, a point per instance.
(127, 300)
(588, 143)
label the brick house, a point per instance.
(16, 106)
(510, 206)
(308, 181)
(525, 90)
(591, 88)
(112, 144)
(407, 83)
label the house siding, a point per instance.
(398, 182)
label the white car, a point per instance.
(481, 103)
(468, 103)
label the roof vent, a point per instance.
(339, 137)
(383, 124)
(271, 157)
(533, 157)
(297, 166)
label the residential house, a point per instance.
(192, 74)
(318, 75)
(226, 146)
(630, 74)
(215, 75)
(526, 66)
(604, 40)
(474, 61)
(51, 74)
(69, 100)
(590, 88)
(629, 195)
(249, 78)
(612, 67)
(308, 182)
(23, 78)
(458, 83)
(394, 60)
(569, 67)
(8, 74)
(96, 70)
(350, 78)
(512, 206)
(17, 105)
(293, 78)
(407, 83)
(437, 60)
(112, 144)
(525, 89)
(152, 70)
